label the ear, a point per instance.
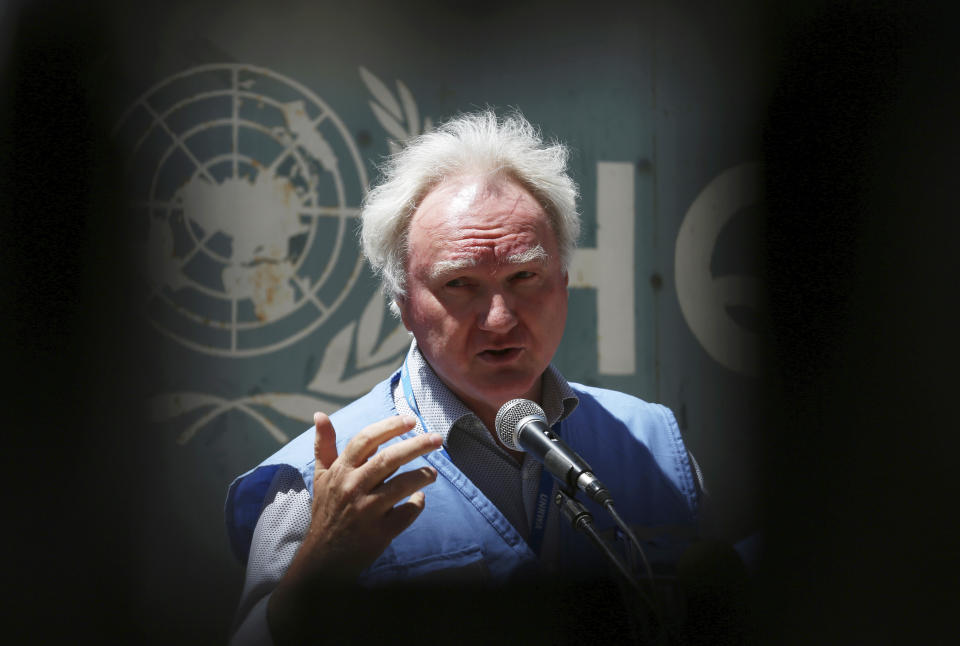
(566, 279)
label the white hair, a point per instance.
(477, 143)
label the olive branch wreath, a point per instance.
(374, 361)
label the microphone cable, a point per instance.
(635, 548)
(633, 543)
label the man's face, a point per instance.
(486, 292)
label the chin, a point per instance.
(504, 390)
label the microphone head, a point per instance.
(509, 417)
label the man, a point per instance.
(472, 230)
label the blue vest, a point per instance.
(634, 447)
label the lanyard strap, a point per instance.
(535, 541)
(542, 510)
(408, 394)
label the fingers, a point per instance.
(384, 463)
(366, 442)
(325, 441)
(403, 515)
(396, 489)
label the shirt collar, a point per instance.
(441, 409)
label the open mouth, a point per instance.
(503, 354)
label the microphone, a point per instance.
(522, 426)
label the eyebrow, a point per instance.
(534, 254)
(445, 267)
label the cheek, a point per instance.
(558, 317)
(554, 295)
(433, 323)
(560, 320)
(562, 296)
(421, 304)
(550, 312)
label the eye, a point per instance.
(523, 275)
(456, 282)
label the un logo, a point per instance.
(246, 185)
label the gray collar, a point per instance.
(442, 410)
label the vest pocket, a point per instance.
(457, 567)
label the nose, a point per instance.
(498, 315)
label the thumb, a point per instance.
(325, 442)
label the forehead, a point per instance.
(476, 217)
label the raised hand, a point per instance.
(355, 511)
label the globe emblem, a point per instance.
(245, 186)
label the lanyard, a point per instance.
(535, 541)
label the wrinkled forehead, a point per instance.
(472, 221)
(479, 201)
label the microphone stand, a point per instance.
(582, 520)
